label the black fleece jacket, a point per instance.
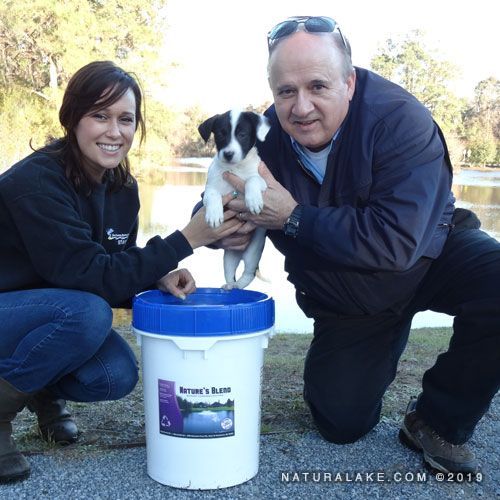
(54, 236)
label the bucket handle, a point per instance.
(198, 344)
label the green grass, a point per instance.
(121, 423)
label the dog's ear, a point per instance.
(263, 128)
(261, 124)
(205, 129)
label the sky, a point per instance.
(215, 51)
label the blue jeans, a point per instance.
(62, 340)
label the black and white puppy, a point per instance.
(236, 133)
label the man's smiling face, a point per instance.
(311, 95)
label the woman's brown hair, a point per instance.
(93, 87)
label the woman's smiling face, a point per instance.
(105, 135)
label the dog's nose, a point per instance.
(228, 155)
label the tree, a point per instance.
(42, 43)
(24, 119)
(189, 142)
(482, 145)
(486, 105)
(483, 149)
(409, 63)
(482, 123)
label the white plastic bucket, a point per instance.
(202, 367)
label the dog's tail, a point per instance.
(259, 275)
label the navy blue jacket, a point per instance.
(369, 231)
(54, 236)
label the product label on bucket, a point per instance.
(195, 412)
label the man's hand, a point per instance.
(179, 283)
(278, 202)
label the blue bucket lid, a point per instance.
(208, 311)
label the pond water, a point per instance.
(166, 206)
(208, 422)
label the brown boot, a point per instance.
(54, 420)
(13, 465)
(439, 454)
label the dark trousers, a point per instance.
(352, 360)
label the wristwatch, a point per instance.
(291, 226)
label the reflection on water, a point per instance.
(167, 202)
(177, 176)
(208, 422)
(480, 191)
(477, 177)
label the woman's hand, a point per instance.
(179, 283)
(239, 240)
(199, 233)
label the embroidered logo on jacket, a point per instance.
(120, 239)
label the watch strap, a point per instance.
(291, 226)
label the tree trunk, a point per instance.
(52, 74)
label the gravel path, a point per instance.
(313, 468)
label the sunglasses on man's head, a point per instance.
(312, 24)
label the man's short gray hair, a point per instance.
(343, 50)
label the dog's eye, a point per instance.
(221, 134)
(241, 133)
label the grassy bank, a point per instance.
(120, 423)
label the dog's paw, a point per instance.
(214, 216)
(254, 202)
(228, 286)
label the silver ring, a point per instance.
(235, 194)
